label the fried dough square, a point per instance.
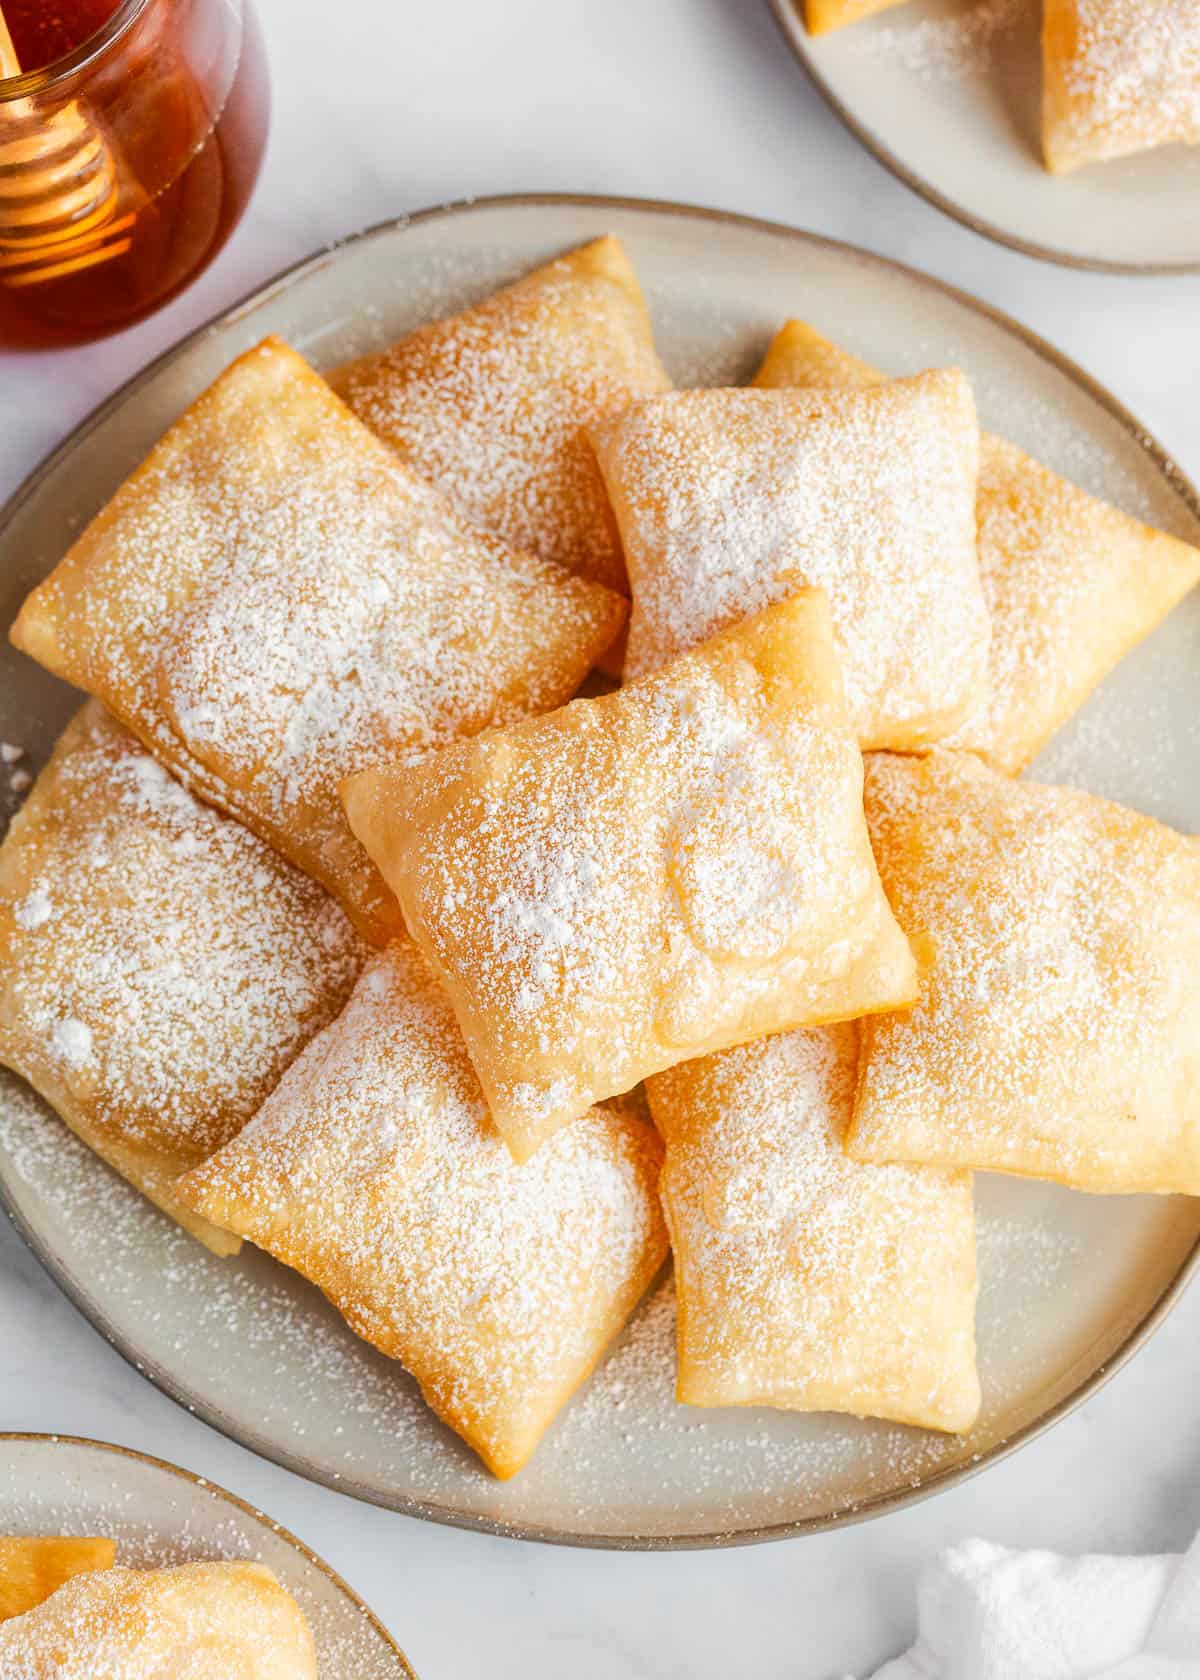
(728, 500)
(159, 965)
(33, 1567)
(491, 405)
(1057, 1031)
(807, 1280)
(1071, 584)
(273, 600)
(1118, 76)
(647, 876)
(374, 1170)
(208, 1621)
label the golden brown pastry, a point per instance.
(1118, 76)
(728, 500)
(159, 965)
(202, 1621)
(805, 1279)
(491, 405)
(32, 1567)
(1057, 1033)
(1071, 583)
(643, 877)
(820, 16)
(273, 600)
(375, 1171)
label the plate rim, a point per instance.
(213, 1415)
(207, 1485)
(792, 28)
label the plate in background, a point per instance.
(1070, 1283)
(947, 94)
(160, 1515)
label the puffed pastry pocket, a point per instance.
(159, 965)
(640, 878)
(1071, 584)
(32, 1567)
(1057, 1031)
(1118, 76)
(728, 500)
(491, 405)
(375, 1171)
(205, 1621)
(274, 600)
(806, 1280)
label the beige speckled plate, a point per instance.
(159, 1515)
(947, 94)
(1071, 1283)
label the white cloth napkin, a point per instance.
(987, 1613)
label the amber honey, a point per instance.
(175, 93)
(45, 30)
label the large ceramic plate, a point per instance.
(1070, 1283)
(947, 94)
(158, 1515)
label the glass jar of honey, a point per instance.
(126, 160)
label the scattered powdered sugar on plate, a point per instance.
(188, 1299)
(1093, 751)
(1079, 456)
(253, 1344)
(943, 48)
(789, 1460)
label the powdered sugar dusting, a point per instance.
(656, 1474)
(263, 1316)
(34, 910)
(210, 1620)
(1069, 581)
(491, 404)
(1058, 1000)
(157, 950)
(728, 500)
(497, 1285)
(71, 1041)
(159, 1522)
(271, 1354)
(582, 953)
(273, 602)
(811, 1280)
(789, 1461)
(1122, 75)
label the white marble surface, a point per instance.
(388, 105)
